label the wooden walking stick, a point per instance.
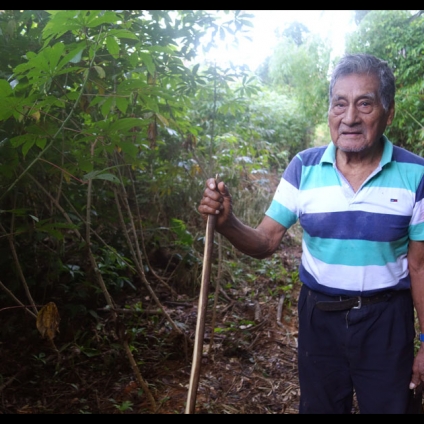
(201, 314)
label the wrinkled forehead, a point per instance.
(364, 85)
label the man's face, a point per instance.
(356, 117)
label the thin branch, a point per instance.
(11, 379)
(59, 191)
(143, 245)
(17, 300)
(19, 268)
(96, 270)
(94, 232)
(140, 379)
(64, 171)
(93, 261)
(413, 118)
(135, 252)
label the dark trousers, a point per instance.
(369, 350)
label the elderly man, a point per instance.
(360, 203)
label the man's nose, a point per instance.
(351, 116)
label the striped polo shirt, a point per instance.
(353, 242)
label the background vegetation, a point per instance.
(109, 128)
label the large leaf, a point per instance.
(180, 229)
(148, 61)
(61, 22)
(74, 55)
(5, 88)
(129, 148)
(8, 107)
(112, 46)
(122, 33)
(101, 175)
(126, 124)
(107, 17)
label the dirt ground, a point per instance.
(249, 369)
(252, 371)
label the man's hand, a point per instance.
(216, 201)
(418, 368)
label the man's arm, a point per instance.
(416, 270)
(259, 242)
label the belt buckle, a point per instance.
(359, 305)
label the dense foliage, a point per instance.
(109, 127)
(396, 36)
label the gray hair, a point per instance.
(367, 64)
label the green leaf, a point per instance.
(100, 71)
(125, 124)
(90, 352)
(150, 103)
(8, 107)
(21, 139)
(122, 33)
(122, 104)
(59, 23)
(107, 18)
(77, 57)
(107, 106)
(129, 148)
(53, 229)
(74, 55)
(195, 68)
(180, 229)
(108, 177)
(94, 102)
(5, 88)
(112, 46)
(41, 143)
(162, 119)
(28, 144)
(100, 175)
(148, 61)
(52, 56)
(130, 85)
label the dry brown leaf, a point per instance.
(48, 321)
(152, 133)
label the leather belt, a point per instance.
(356, 302)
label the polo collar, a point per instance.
(329, 155)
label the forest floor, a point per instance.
(251, 367)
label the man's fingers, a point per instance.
(222, 188)
(214, 196)
(211, 183)
(210, 210)
(415, 382)
(211, 202)
(218, 187)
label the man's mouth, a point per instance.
(350, 133)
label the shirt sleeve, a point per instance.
(284, 205)
(416, 226)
